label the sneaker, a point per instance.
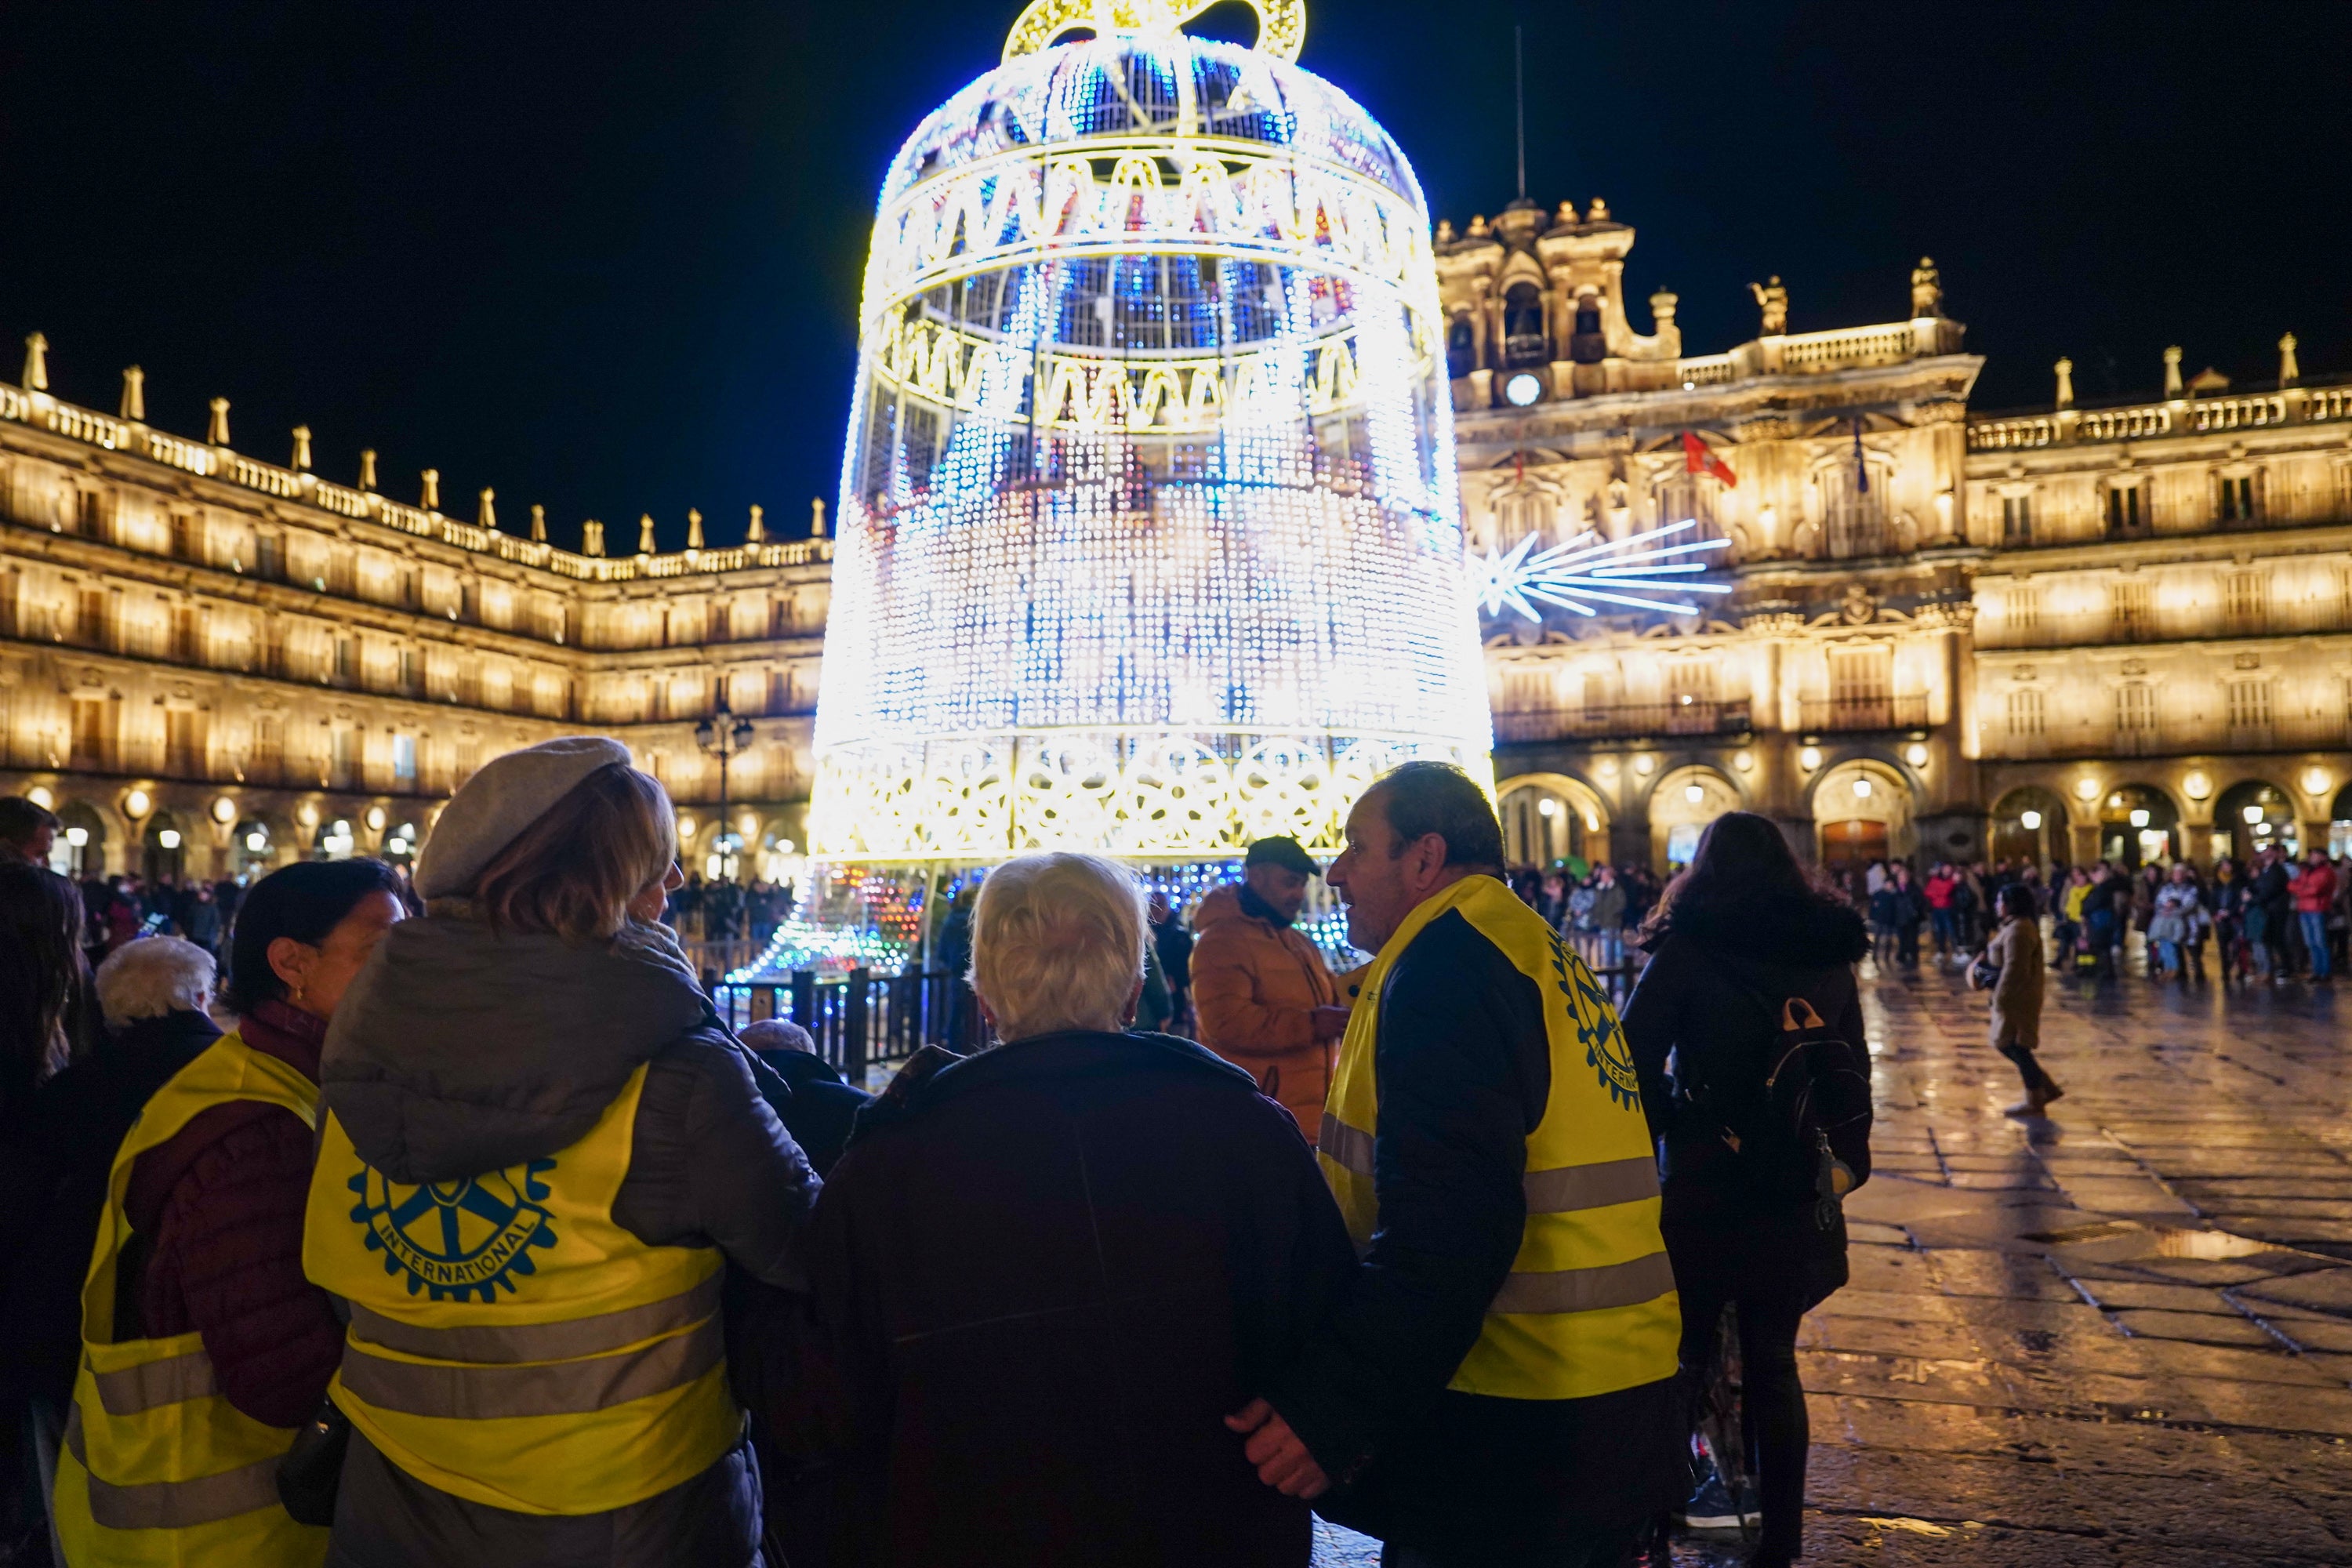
(1710, 1507)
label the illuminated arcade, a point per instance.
(1149, 541)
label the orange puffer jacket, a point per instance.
(1256, 985)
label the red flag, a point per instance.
(1699, 458)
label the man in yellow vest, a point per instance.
(1496, 1388)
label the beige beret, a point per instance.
(509, 793)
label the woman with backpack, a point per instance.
(1743, 950)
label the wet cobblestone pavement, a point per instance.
(2122, 1335)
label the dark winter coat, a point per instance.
(458, 1051)
(1044, 1275)
(823, 1106)
(215, 1215)
(79, 1118)
(1464, 1067)
(1710, 996)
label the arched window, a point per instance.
(1588, 344)
(1523, 326)
(1461, 348)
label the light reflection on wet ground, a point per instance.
(2045, 1357)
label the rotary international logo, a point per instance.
(457, 1240)
(1606, 1050)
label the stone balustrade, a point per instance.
(41, 411)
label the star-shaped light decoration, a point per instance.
(1588, 571)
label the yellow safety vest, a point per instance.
(509, 1344)
(160, 1470)
(1589, 1305)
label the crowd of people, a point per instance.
(2271, 917)
(476, 1235)
(721, 908)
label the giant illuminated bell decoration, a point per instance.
(1149, 537)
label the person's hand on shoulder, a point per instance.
(1282, 1459)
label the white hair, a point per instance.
(152, 976)
(1057, 943)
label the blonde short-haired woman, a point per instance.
(540, 1152)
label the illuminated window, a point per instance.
(404, 759)
(2026, 713)
(2016, 520)
(93, 731)
(1523, 325)
(2022, 604)
(1690, 681)
(2238, 498)
(2134, 707)
(1862, 686)
(1461, 348)
(184, 742)
(2123, 509)
(1861, 674)
(270, 747)
(2250, 704)
(1687, 497)
(1857, 514)
(2131, 617)
(2245, 599)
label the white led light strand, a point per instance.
(1581, 570)
(1150, 473)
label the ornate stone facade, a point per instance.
(209, 662)
(2126, 626)
(2074, 632)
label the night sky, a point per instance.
(605, 255)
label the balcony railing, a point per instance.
(1906, 711)
(2307, 403)
(1691, 716)
(41, 411)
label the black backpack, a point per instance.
(1807, 1132)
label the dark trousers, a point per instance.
(1773, 1399)
(2028, 1068)
(1608, 1548)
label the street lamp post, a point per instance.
(725, 736)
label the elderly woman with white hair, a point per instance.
(1047, 1272)
(155, 995)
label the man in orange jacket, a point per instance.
(1265, 1000)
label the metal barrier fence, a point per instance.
(862, 1019)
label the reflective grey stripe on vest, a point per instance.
(1586, 1290)
(489, 1393)
(174, 1505)
(1351, 1146)
(168, 1382)
(1558, 1191)
(596, 1335)
(1569, 1187)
